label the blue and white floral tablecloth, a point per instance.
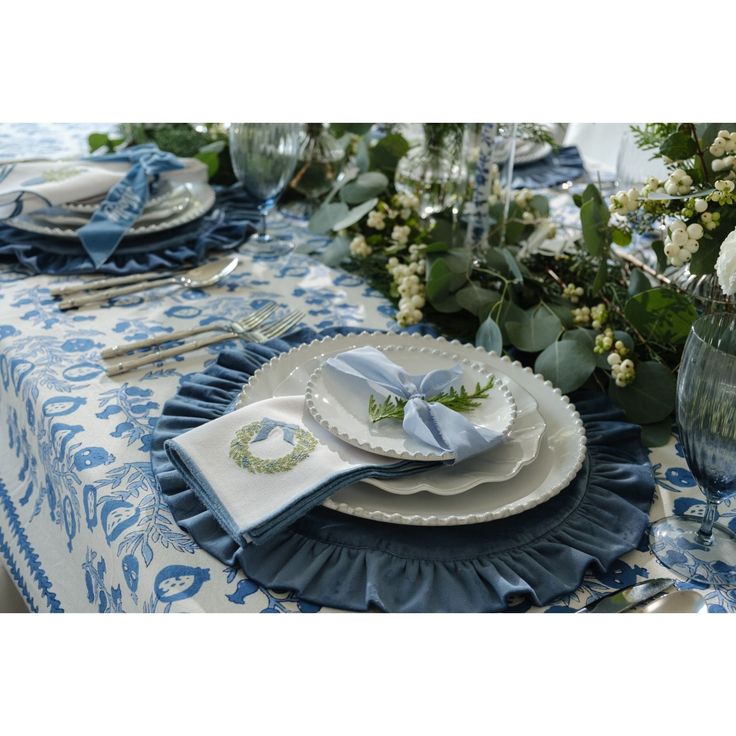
(82, 525)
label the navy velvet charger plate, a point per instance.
(333, 559)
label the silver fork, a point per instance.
(248, 323)
(275, 329)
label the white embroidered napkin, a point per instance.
(26, 187)
(262, 467)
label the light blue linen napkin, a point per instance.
(125, 201)
(261, 468)
(434, 424)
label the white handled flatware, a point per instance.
(248, 323)
(268, 332)
(107, 282)
(196, 278)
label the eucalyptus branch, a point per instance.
(393, 406)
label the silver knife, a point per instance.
(629, 597)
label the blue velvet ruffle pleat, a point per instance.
(343, 561)
(226, 226)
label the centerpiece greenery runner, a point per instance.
(588, 314)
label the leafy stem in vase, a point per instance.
(393, 406)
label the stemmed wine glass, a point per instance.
(264, 156)
(700, 549)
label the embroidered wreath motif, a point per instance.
(303, 442)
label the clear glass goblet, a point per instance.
(697, 548)
(264, 156)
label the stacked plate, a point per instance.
(171, 206)
(543, 449)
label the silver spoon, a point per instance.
(678, 601)
(196, 278)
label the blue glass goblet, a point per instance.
(697, 548)
(264, 156)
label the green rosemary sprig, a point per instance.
(393, 406)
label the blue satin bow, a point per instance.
(430, 422)
(125, 201)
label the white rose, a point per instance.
(726, 264)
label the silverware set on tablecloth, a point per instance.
(254, 327)
(657, 595)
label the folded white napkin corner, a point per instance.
(261, 468)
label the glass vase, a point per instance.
(435, 172)
(321, 158)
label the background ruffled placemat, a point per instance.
(555, 168)
(346, 562)
(228, 224)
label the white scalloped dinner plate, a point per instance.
(202, 199)
(500, 463)
(561, 452)
(342, 408)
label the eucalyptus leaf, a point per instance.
(489, 336)
(658, 248)
(362, 154)
(651, 397)
(210, 159)
(355, 214)
(388, 151)
(704, 261)
(638, 282)
(658, 433)
(365, 187)
(621, 237)
(537, 329)
(504, 313)
(567, 363)
(594, 222)
(583, 337)
(661, 314)
(336, 252)
(540, 205)
(679, 146)
(600, 277)
(325, 218)
(476, 299)
(563, 309)
(441, 285)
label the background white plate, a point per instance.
(202, 199)
(342, 408)
(561, 453)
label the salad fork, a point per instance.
(275, 329)
(248, 323)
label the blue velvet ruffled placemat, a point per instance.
(230, 222)
(333, 559)
(555, 168)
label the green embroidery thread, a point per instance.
(61, 174)
(305, 444)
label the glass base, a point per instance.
(674, 542)
(268, 245)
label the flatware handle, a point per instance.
(98, 296)
(115, 350)
(106, 283)
(129, 365)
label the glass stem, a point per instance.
(705, 533)
(262, 227)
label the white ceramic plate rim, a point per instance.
(466, 480)
(384, 446)
(325, 346)
(203, 197)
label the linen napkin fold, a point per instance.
(261, 468)
(436, 425)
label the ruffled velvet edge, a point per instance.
(227, 226)
(341, 561)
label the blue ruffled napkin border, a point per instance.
(333, 559)
(232, 221)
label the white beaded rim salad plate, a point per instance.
(168, 207)
(202, 197)
(561, 451)
(342, 409)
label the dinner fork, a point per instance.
(275, 329)
(248, 323)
